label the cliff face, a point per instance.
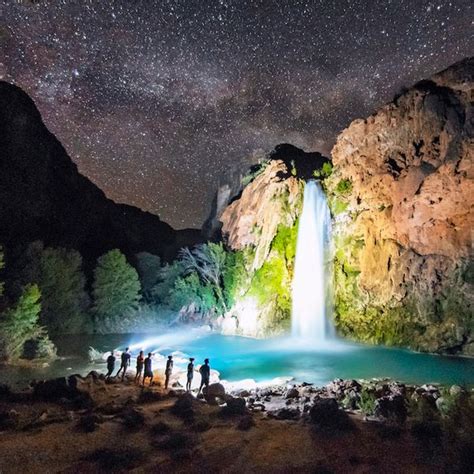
(261, 224)
(402, 193)
(44, 197)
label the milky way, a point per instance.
(155, 101)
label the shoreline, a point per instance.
(277, 428)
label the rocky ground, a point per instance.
(78, 424)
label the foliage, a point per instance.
(168, 274)
(271, 284)
(189, 290)
(149, 271)
(366, 402)
(62, 284)
(255, 171)
(344, 186)
(116, 288)
(233, 276)
(324, 172)
(19, 324)
(208, 261)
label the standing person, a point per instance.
(148, 370)
(125, 362)
(190, 374)
(110, 364)
(205, 372)
(140, 362)
(168, 371)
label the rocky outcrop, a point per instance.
(44, 197)
(402, 195)
(261, 225)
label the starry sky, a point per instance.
(157, 100)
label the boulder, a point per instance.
(234, 406)
(326, 416)
(214, 393)
(392, 407)
(292, 393)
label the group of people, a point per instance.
(144, 369)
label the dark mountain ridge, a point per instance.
(44, 197)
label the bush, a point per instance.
(344, 186)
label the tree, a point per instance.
(116, 287)
(161, 292)
(19, 324)
(62, 284)
(149, 271)
(208, 261)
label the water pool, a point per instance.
(238, 358)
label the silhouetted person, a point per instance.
(125, 358)
(205, 372)
(190, 374)
(110, 364)
(168, 370)
(140, 362)
(148, 370)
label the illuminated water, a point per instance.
(262, 360)
(311, 316)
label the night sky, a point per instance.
(156, 100)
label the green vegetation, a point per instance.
(148, 268)
(344, 186)
(19, 325)
(366, 402)
(255, 171)
(116, 289)
(324, 172)
(271, 284)
(62, 285)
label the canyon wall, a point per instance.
(402, 197)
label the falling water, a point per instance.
(311, 318)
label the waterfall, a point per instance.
(311, 311)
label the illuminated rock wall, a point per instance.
(402, 193)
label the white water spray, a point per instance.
(311, 312)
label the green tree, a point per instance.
(169, 273)
(189, 290)
(62, 284)
(19, 324)
(209, 262)
(149, 271)
(116, 287)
